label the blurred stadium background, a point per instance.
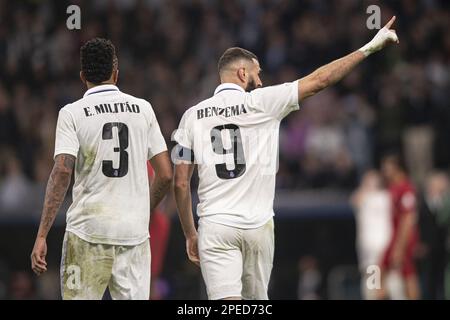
(168, 51)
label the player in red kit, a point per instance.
(399, 255)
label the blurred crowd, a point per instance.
(168, 52)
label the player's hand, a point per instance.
(384, 37)
(192, 249)
(38, 263)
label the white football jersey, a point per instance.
(112, 135)
(234, 139)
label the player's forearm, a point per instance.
(57, 187)
(184, 206)
(333, 72)
(336, 70)
(329, 74)
(158, 190)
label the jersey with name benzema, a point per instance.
(111, 134)
(234, 139)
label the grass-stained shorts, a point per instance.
(87, 269)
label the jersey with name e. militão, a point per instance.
(234, 140)
(112, 135)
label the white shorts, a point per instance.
(87, 269)
(236, 262)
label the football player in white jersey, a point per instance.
(232, 137)
(107, 137)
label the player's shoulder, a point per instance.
(204, 103)
(192, 111)
(274, 99)
(140, 101)
(402, 189)
(404, 185)
(408, 186)
(275, 89)
(144, 106)
(70, 108)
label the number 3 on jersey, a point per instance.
(236, 148)
(107, 165)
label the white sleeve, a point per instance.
(156, 142)
(277, 101)
(66, 140)
(183, 134)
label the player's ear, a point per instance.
(82, 78)
(115, 76)
(242, 75)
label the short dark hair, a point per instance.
(98, 57)
(233, 54)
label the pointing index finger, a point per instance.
(391, 22)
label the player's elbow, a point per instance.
(320, 81)
(61, 175)
(167, 181)
(165, 177)
(180, 185)
(312, 84)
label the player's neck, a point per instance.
(91, 85)
(233, 81)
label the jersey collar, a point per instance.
(101, 88)
(228, 86)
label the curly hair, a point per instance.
(98, 58)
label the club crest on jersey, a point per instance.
(226, 112)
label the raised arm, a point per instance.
(57, 186)
(333, 72)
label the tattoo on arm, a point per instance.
(158, 190)
(57, 186)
